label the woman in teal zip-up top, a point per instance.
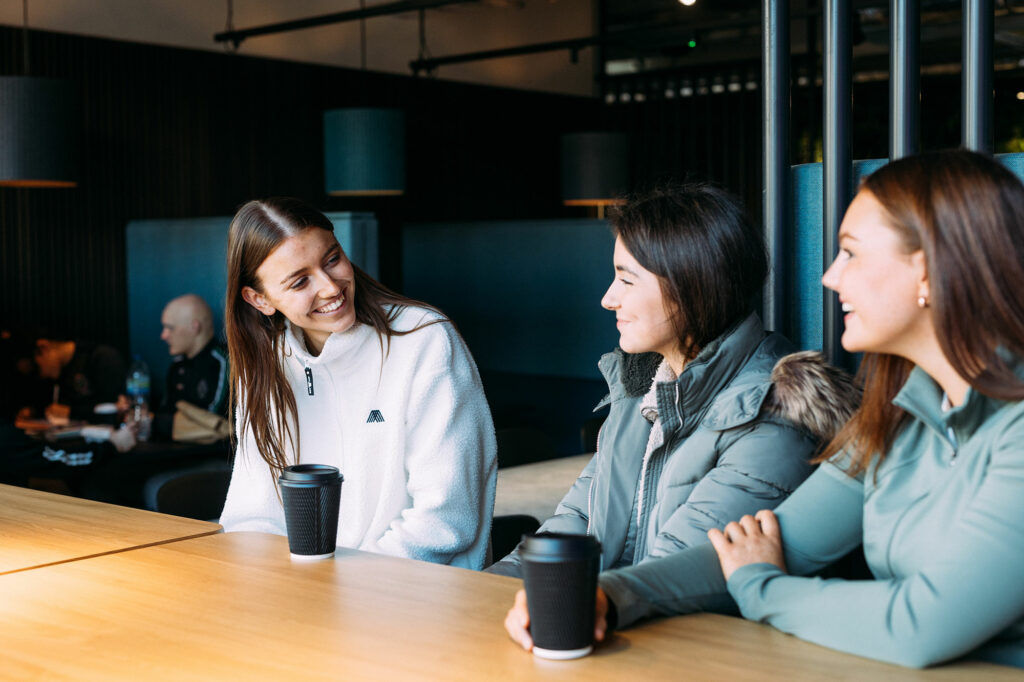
(929, 473)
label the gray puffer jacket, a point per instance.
(739, 428)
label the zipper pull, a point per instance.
(309, 381)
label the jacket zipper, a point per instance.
(644, 501)
(953, 444)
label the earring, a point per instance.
(922, 301)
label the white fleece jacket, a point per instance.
(413, 438)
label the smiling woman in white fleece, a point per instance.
(330, 367)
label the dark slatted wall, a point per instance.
(710, 136)
(170, 133)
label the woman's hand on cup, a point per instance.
(517, 620)
(754, 540)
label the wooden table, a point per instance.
(234, 606)
(38, 529)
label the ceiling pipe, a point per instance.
(609, 38)
(237, 36)
(573, 45)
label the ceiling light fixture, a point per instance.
(595, 169)
(364, 152)
(38, 128)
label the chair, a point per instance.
(589, 431)
(195, 492)
(522, 445)
(507, 531)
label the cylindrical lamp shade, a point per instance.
(364, 152)
(595, 168)
(38, 132)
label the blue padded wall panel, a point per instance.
(525, 295)
(168, 258)
(1015, 162)
(806, 291)
(805, 306)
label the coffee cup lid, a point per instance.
(309, 473)
(559, 547)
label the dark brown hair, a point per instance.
(256, 341)
(709, 259)
(966, 212)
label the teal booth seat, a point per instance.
(168, 258)
(526, 296)
(807, 262)
(1015, 162)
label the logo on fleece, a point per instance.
(375, 416)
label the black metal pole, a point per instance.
(837, 166)
(976, 78)
(775, 109)
(812, 26)
(904, 77)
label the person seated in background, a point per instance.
(710, 418)
(330, 367)
(18, 374)
(199, 371)
(73, 376)
(84, 375)
(19, 454)
(928, 474)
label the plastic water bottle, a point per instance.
(137, 387)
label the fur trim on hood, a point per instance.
(638, 370)
(809, 391)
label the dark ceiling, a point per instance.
(647, 35)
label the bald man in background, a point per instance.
(199, 371)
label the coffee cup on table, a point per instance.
(311, 494)
(560, 577)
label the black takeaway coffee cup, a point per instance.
(560, 576)
(311, 494)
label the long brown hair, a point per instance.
(256, 341)
(709, 259)
(966, 212)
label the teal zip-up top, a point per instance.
(942, 522)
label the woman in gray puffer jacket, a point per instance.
(709, 419)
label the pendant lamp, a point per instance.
(38, 127)
(38, 132)
(364, 152)
(595, 169)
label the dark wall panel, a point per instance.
(171, 133)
